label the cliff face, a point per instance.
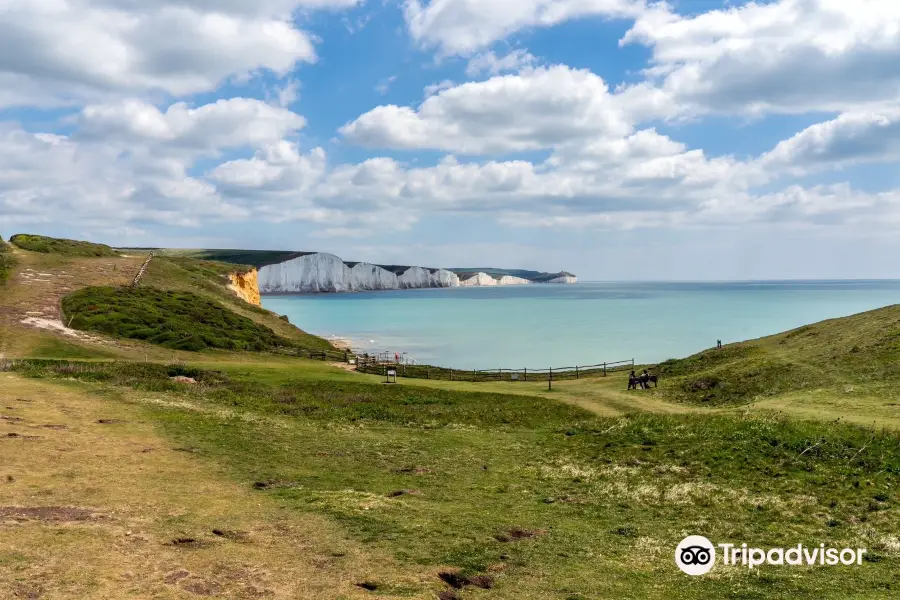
(478, 280)
(322, 272)
(417, 277)
(564, 279)
(513, 280)
(246, 286)
(483, 279)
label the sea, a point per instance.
(555, 325)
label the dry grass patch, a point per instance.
(112, 511)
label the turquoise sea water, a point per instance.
(540, 326)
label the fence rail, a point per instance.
(333, 355)
(380, 363)
(374, 365)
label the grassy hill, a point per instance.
(859, 349)
(209, 279)
(64, 247)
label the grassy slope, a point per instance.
(208, 279)
(436, 479)
(858, 350)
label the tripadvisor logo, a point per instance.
(696, 555)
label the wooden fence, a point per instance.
(375, 366)
(332, 355)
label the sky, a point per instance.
(616, 139)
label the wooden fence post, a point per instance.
(550, 380)
(451, 374)
(604, 369)
(427, 373)
(576, 371)
(474, 374)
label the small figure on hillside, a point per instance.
(633, 381)
(397, 357)
(719, 344)
(645, 378)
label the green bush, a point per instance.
(174, 319)
(6, 261)
(49, 245)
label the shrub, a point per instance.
(6, 261)
(174, 319)
(49, 245)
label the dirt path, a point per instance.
(95, 504)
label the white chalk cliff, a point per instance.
(478, 280)
(564, 279)
(513, 280)
(483, 279)
(322, 272)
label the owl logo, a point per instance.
(695, 555)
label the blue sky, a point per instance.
(618, 139)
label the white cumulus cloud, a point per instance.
(511, 113)
(461, 27)
(55, 51)
(786, 56)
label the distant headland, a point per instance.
(305, 272)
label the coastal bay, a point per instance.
(540, 326)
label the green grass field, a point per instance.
(539, 496)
